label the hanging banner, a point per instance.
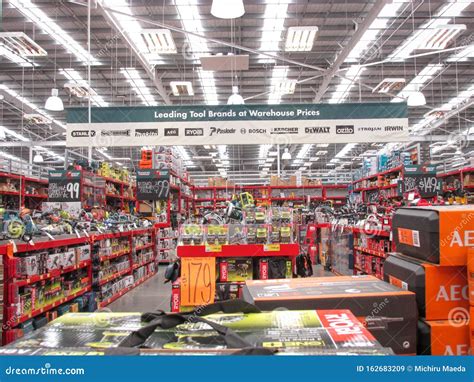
(64, 186)
(153, 184)
(237, 124)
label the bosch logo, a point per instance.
(243, 131)
(257, 131)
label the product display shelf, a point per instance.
(370, 249)
(376, 184)
(462, 178)
(28, 191)
(268, 194)
(12, 251)
(244, 250)
(49, 275)
(48, 307)
(110, 300)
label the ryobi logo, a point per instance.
(194, 132)
(264, 270)
(342, 324)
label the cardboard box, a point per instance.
(228, 291)
(69, 258)
(439, 289)
(83, 253)
(444, 337)
(235, 269)
(440, 235)
(468, 180)
(54, 261)
(470, 275)
(389, 313)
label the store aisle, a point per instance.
(147, 297)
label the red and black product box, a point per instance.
(388, 312)
(440, 290)
(437, 234)
(444, 337)
(274, 268)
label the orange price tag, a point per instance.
(198, 280)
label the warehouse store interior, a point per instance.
(237, 177)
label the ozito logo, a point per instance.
(317, 130)
(146, 132)
(345, 129)
(171, 132)
(194, 132)
(217, 130)
(82, 133)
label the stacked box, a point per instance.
(434, 243)
(389, 313)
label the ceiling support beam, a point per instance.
(341, 57)
(150, 71)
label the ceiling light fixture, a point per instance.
(159, 41)
(440, 36)
(388, 85)
(182, 88)
(227, 9)
(235, 98)
(38, 158)
(416, 98)
(54, 103)
(300, 39)
(286, 155)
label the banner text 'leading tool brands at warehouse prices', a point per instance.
(238, 124)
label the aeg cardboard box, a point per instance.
(444, 337)
(439, 289)
(389, 313)
(440, 235)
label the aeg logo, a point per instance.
(466, 241)
(453, 293)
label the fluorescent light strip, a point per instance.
(426, 74)
(23, 100)
(191, 21)
(342, 90)
(74, 76)
(16, 58)
(346, 150)
(273, 26)
(37, 16)
(388, 12)
(279, 74)
(300, 39)
(183, 154)
(139, 87)
(14, 134)
(424, 32)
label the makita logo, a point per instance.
(82, 133)
(317, 130)
(171, 132)
(146, 132)
(217, 130)
(115, 133)
(194, 132)
(393, 128)
(345, 129)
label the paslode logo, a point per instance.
(82, 133)
(317, 130)
(194, 132)
(217, 131)
(345, 129)
(146, 132)
(115, 133)
(171, 132)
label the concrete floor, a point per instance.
(153, 294)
